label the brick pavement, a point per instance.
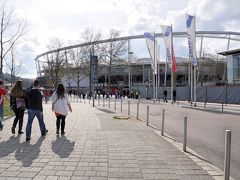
(95, 146)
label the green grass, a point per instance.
(6, 108)
(121, 117)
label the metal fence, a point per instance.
(211, 94)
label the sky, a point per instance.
(67, 19)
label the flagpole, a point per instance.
(195, 75)
(158, 85)
(172, 67)
(189, 78)
(195, 86)
(129, 69)
(156, 71)
(154, 56)
(191, 72)
(165, 75)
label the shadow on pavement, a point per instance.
(9, 146)
(106, 111)
(28, 152)
(62, 146)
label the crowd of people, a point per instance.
(31, 100)
(117, 93)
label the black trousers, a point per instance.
(19, 113)
(61, 120)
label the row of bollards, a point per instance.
(227, 154)
(205, 103)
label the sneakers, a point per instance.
(62, 132)
(57, 132)
(46, 131)
(13, 130)
(20, 132)
(28, 139)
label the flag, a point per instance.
(150, 40)
(174, 64)
(191, 33)
(167, 36)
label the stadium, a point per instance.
(134, 72)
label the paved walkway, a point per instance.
(95, 146)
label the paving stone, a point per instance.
(27, 174)
(95, 147)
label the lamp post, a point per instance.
(129, 71)
(147, 86)
(129, 67)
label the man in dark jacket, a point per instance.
(34, 106)
(165, 95)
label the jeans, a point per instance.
(31, 114)
(1, 115)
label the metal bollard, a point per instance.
(222, 106)
(147, 114)
(98, 101)
(89, 100)
(163, 117)
(109, 103)
(137, 110)
(115, 104)
(205, 105)
(227, 155)
(185, 135)
(84, 100)
(121, 105)
(129, 108)
(103, 102)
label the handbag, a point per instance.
(20, 103)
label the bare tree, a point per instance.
(80, 57)
(55, 62)
(114, 51)
(69, 75)
(13, 66)
(80, 64)
(11, 29)
(91, 36)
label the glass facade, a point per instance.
(236, 67)
(233, 68)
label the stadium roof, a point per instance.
(148, 60)
(230, 52)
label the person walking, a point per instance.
(2, 95)
(174, 95)
(61, 106)
(17, 104)
(165, 95)
(34, 106)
